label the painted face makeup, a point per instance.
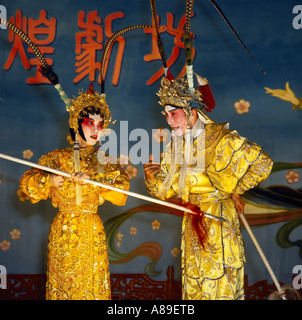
(176, 119)
(92, 127)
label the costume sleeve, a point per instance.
(153, 186)
(35, 182)
(238, 165)
(116, 177)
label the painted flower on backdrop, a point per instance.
(133, 231)
(15, 234)
(160, 135)
(131, 171)
(27, 154)
(123, 160)
(119, 237)
(104, 158)
(69, 139)
(242, 106)
(22, 196)
(155, 225)
(292, 176)
(5, 245)
(175, 252)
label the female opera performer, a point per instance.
(78, 265)
(212, 261)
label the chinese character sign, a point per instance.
(90, 40)
(89, 44)
(42, 32)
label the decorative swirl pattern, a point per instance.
(282, 236)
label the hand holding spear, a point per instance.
(103, 185)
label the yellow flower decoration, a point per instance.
(5, 245)
(27, 154)
(15, 234)
(133, 231)
(155, 225)
(175, 252)
(242, 106)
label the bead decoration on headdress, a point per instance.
(176, 93)
(89, 99)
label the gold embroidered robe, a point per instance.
(78, 265)
(232, 165)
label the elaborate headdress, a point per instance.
(176, 93)
(79, 107)
(89, 99)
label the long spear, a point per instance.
(266, 263)
(103, 185)
(281, 290)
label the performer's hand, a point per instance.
(151, 169)
(239, 204)
(56, 181)
(79, 176)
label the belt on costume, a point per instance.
(62, 211)
(208, 197)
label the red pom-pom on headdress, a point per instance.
(206, 92)
(169, 76)
(207, 97)
(90, 90)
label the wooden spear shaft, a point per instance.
(167, 204)
(103, 185)
(266, 263)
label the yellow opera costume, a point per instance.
(78, 266)
(231, 164)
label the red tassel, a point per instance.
(198, 222)
(207, 97)
(200, 229)
(90, 89)
(169, 76)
